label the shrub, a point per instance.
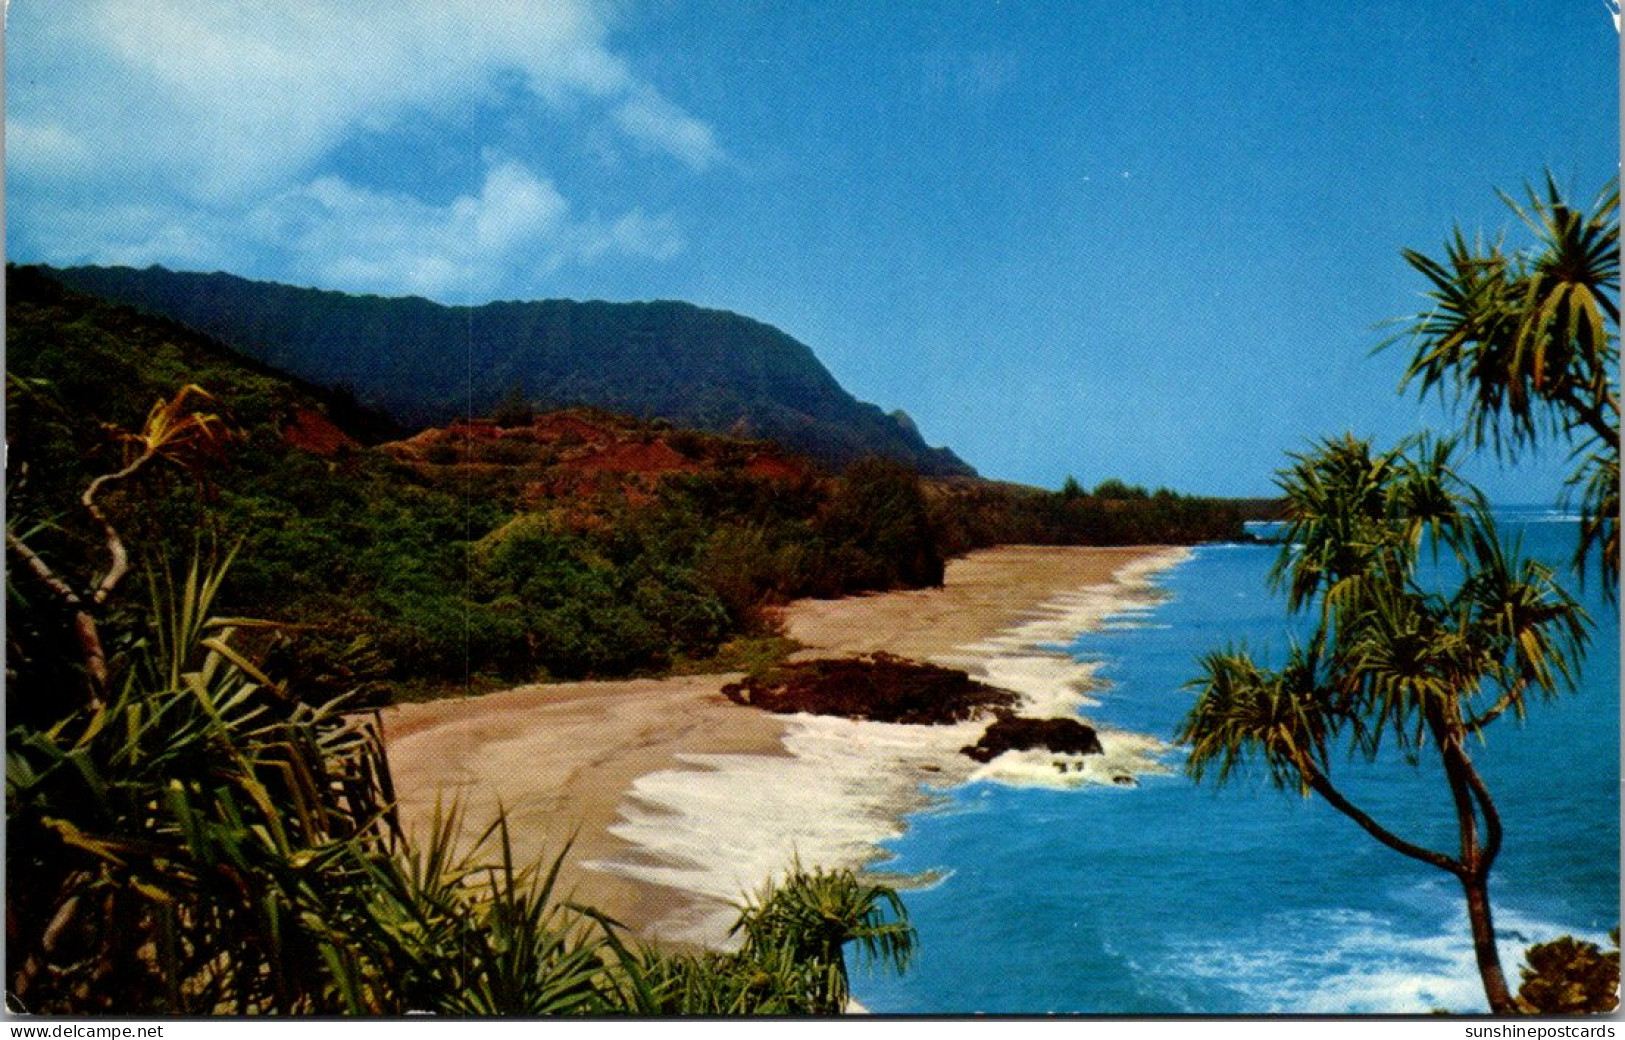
(1569, 976)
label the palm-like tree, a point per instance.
(814, 914)
(1528, 342)
(1394, 656)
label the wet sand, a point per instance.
(559, 759)
(564, 759)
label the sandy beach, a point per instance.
(675, 801)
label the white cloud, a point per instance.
(638, 234)
(354, 238)
(514, 207)
(658, 123)
(334, 234)
(348, 236)
(241, 95)
(180, 126)
(52, 149)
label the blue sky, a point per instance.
(1145, 241)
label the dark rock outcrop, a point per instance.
(1014, 733)
(877, 688)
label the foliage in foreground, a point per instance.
(815, 917)
(204, 844)
(187, 835)
(209, 847)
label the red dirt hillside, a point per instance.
(314, 432)
(581, 451)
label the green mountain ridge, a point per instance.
(427, 363)
(566, 545)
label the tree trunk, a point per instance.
(1489, 958)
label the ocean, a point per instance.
(1173, 898)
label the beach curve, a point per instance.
(676, 802)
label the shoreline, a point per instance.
(679, 803)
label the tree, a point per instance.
(881, 527)
(815, 914)
(1527, 341)
(1111, 487)
(1397, 652)
(174, 432)
(169, 831)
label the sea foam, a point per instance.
(1342, 961)
(719, 826)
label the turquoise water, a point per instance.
(1170, 898)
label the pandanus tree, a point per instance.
(169, 829)
(813, 916)
(175, 432)
(1527, 343)
(1426, 628)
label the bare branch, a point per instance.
(42, 571)
(1476, 724)
(85, 631)
(1323, 787)
(117, 554)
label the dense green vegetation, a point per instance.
(187, 834)
(406, 578)
(693, 366)
(973, 515)
(398, 577)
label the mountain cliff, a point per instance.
(424, 362)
